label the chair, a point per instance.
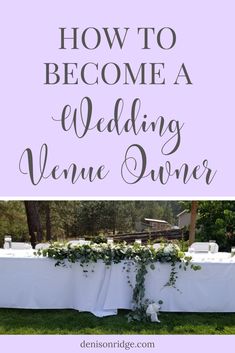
(204, 247)
(20, 246)
(78, 242)
(42, 246)
(74, 242)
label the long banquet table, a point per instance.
(29, 281)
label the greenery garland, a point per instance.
(143, 257)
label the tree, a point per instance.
(34, 223)
(13, 221)
(52, 220)
(192, 230)
(217, 222)
(48, 222)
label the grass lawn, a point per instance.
(16, 321)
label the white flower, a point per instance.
(170, 248)
(137, 258)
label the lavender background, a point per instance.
(164, 343)
(205, 43)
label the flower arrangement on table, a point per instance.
(143, 257)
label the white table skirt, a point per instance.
(35, 283)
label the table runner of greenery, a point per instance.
(142, 257)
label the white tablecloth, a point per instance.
(34, 282)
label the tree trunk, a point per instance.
(48, 221)
(194, 207)
(114, 217)
(33, 220)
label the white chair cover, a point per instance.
(42, 246)
(20, 246)
(204, 247)
(78, 242)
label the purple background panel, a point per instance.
(74, 344)
(205, 43)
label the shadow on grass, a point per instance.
(17, 321)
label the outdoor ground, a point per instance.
(15, 321)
